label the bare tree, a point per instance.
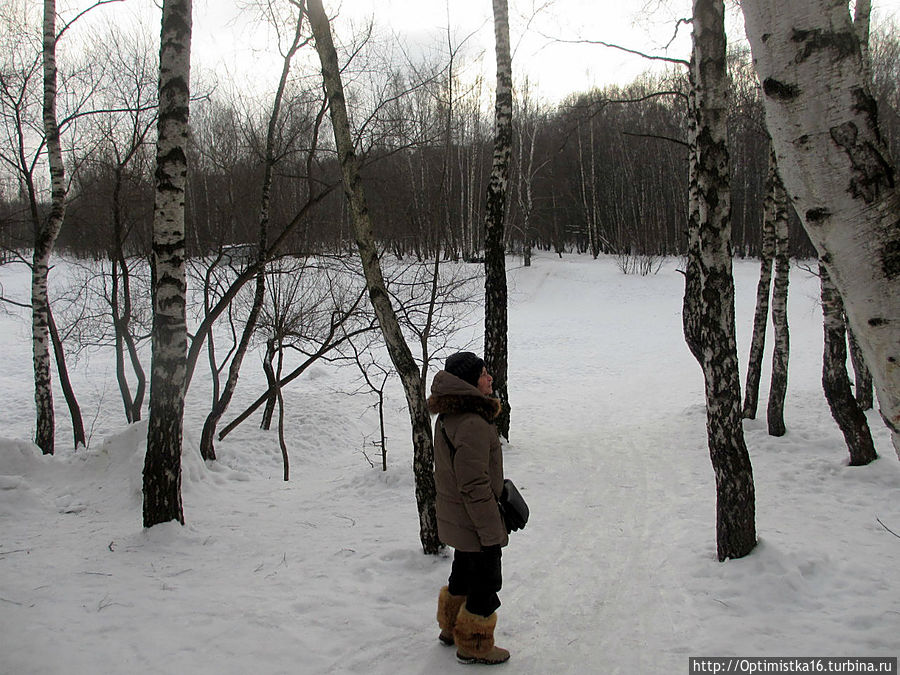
(221, 404)
(531, 120)
(763, 290)
(28, 142)
(496, 339)
(862, 15)
(709, 286)
(781, 352)
(844, 408)
(376, 377)
(862, 376)
(401, 356)
(313, 309)
(45, 236)
(162, 465)
(837, 168)
(123, 131)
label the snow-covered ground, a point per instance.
(615, 573)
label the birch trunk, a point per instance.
(862, 376)
(837, 169)
(861, 23)
(496, 345)
(781, 353)
(79, 439)
(763, 290)
(862, 15)
(401, 356)
(46, 233)
(844, 408)
(273, 346)
(162, 465)
(207, 448)
(709, 292)
(120, 286)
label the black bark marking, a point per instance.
(877, 322)
(780, 91)
(176, 26)
(843, 44)
(845, 135)
(871, 171)
(890, 256)
(866, 105)
(817, 215)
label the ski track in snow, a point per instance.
(615, 573)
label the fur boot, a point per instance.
(448, 608)
(474, 637)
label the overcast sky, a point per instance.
(541, 34)
(554, 68)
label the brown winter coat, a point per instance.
(469, 484)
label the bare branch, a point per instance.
(80, 14)
(886, 527)
(659, 137)
(649, 57)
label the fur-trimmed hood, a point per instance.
(452, 395)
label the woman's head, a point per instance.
(470, 368)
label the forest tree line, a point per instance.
(603, 172)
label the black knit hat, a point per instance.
(466, 366)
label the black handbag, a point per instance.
(513, 508)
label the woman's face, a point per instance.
(485, 383)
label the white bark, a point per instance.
(45, 238)
(709, 287)
(781, 352)
(836, 168)
(835, 382)
(496, 343)
(763, 290)
(162, 465)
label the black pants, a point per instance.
(478, 577)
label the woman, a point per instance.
(468, 475)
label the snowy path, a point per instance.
(601, 482)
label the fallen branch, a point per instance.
(886, 527)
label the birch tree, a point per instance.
(835, 382)
(162, 465)
(709, 286)
(862, 15)
(862, 376)
(763, 290)
(781, 351)
(496, 344)
(46, 232)
(398, 349)
(836, 168)
(531, 119)
(28, 139)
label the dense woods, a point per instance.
(604, 171)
